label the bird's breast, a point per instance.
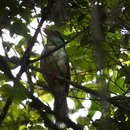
(56, 60)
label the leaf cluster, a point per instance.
(98, 45)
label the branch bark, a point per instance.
(36, 103)
(5, 110)
(25, 59)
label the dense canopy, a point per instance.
(96, 34)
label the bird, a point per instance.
(53, 65)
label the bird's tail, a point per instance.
(60, 106)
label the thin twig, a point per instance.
(5, 110)
(83, 98)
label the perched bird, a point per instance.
(56, 64)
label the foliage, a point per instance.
(97, 40)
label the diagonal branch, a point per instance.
(36, 103)
(78, 86)
(57, 48)
(97, 94)
(25, 59)
(5, 110)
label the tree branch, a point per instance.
(57, 48)
(5, 110)
(92, 92)
(25, 59)
(36, 103)
(76, 85)
(97, 94)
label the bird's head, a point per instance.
(54, 36)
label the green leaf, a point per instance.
(37, 127)
(21, 45)
(18, 27)
(47, 97)
(119, 86)
(81, 120)
(7, 46)
(23, 127)
(6, 90)
(17, 93)
(93, 108)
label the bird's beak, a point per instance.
(45, 32)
